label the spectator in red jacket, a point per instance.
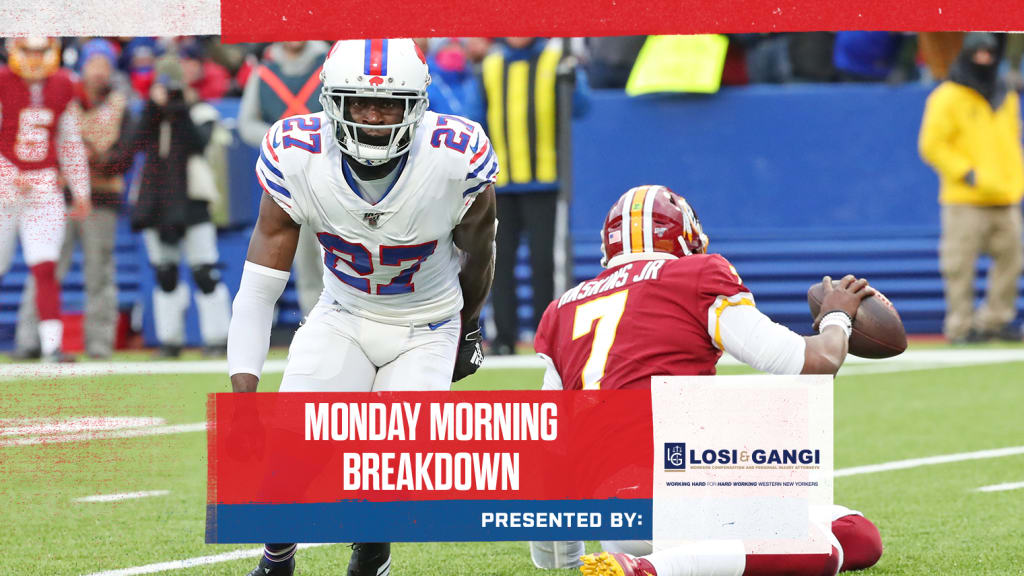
(210, 80)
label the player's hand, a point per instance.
(470, 355)
(80, 209)
(844, 297)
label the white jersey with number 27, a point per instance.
(393, 261)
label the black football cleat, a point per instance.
(22, 354)
(268, 568)
(370, 559)
(167, 352)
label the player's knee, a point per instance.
(167, 277)
(861, 541)
(206, 276)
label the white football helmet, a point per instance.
(378, 68)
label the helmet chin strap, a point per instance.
(342, 138)
(371, 163)
(341, 135)
(682, 243)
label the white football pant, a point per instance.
(337, 351)
(36, 215)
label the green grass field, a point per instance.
(932, 518)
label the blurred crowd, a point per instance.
(849, 56)
(149, 95)
(216, 70)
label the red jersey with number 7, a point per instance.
(29, 118)
(641, 319)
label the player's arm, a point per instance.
(267, 265)
(736, 326)
(826, 352)
(475, 237)
(74, 161)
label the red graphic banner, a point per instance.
(323, 447)
(414, 466)
(266, 20)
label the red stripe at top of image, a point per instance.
(266, 20)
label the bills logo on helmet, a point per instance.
(376, 81)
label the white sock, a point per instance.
(51, 335)
(556, 555)
(214, 315)
(705, 558)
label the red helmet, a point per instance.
(651, 219)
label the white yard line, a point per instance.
(192, 562)
(930, 461)
(103, 435)
(1002, 487)
(39, 426)
(858, 470)
(122, 496)
(910, 360)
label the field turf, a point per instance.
(933, 519)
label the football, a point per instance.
(877, 330)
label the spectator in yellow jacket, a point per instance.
(971, 136)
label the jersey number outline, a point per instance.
(304, 124)
(360, 260)
(607, 312)
(32, 143)
(452, 140)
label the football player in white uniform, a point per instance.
(401, 200)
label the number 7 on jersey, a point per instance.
(606, 311)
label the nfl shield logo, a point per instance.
(371, 218)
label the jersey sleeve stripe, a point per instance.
(484, 150)
(476, 188)
(268, 183)
(267, 164)
(493, 171)
(270, 148)
(715, 314)
(276, 198)
(484, 164)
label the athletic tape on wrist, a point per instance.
(836, 318)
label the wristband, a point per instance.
(836, 318)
